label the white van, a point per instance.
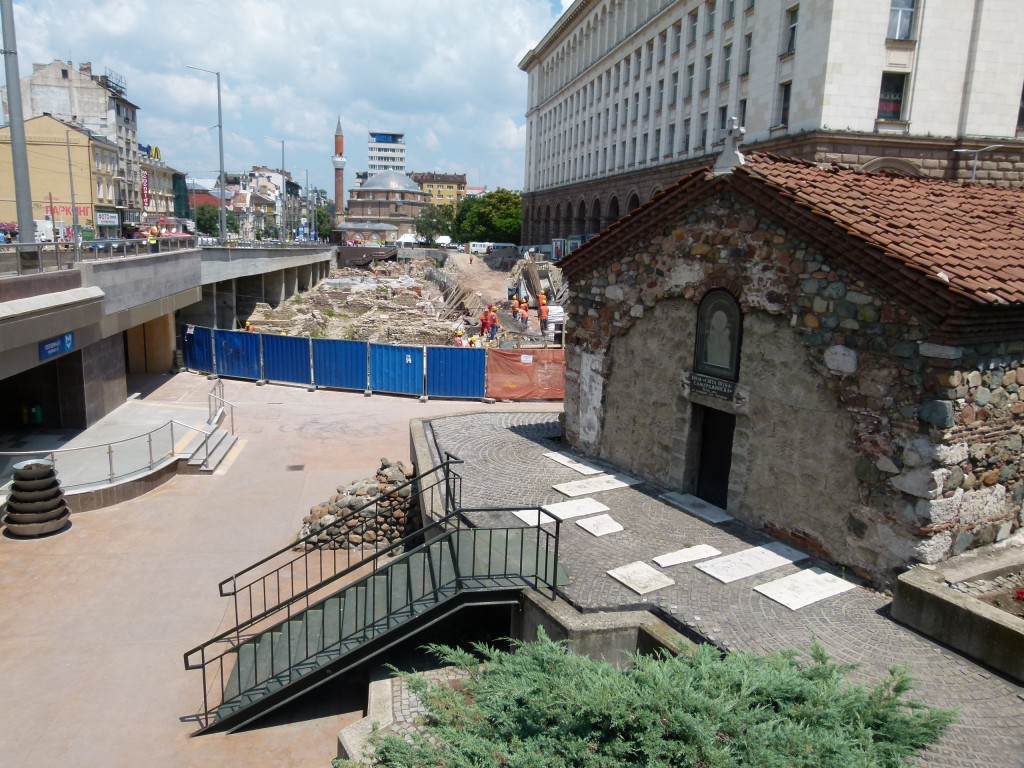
(479, 247)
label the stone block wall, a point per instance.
(855, 438)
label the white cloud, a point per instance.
(444, 73)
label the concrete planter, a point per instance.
(36, 505)
(925, 601)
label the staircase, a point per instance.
(279, 652)
(205, 453)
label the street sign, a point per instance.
(56, 346)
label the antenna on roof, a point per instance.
(731, 155)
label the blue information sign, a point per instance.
(57, 346)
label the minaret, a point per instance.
(339, 161)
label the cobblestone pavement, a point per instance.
(504, 466)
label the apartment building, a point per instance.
(626, 96)
(442, 187)
(385, 152)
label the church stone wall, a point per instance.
(855, 438)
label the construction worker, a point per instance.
(542, 314)
(495, 324)
(474, 341)
(470, 257)
(249, 328)
(524, 314)
(459, 341)
(485, 321)
(515, 307)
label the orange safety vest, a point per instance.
(494, 320)
(525, 310)
(542, 312)
(485, 319)
(515, 305)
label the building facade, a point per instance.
(388, 198)
(385, 152)
(442, 187)
(98, 103)
(830, 355)
(626, 97)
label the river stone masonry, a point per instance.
(344, 521)
(856, 438)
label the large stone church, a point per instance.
(828, 354)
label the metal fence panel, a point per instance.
(286, 358)
(238, 354)
(197, 345)
(339, 363)
(396, 369)
(455, 372)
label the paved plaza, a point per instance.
(505, 464)
(95, 619)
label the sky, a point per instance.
(443, 72)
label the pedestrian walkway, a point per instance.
(722, 582)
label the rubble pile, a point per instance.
(395, 514)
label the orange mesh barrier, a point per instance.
(526, 374)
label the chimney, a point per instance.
(86, 68)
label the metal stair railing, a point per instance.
(480, 562)
(262, 589)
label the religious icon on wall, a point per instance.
(719, 332)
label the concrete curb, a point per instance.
(353, 740)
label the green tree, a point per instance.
(469, 223)
(207, 221)
(541, 705)
(322, 221)
(434, 220)
(503, 211)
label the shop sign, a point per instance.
(106, 219)
(145, 189)
(712, 386)
(57, 346)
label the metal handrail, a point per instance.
(243, 593)
(206, 438)
(461, 582)
(226, 402)
(31, 258)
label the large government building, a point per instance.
(626, 96)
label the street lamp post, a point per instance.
(976, 152)
(284, 193)
(75, 229)
(220, 140)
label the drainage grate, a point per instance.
(295, 467)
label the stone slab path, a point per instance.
(501, 466)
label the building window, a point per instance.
(689, 80)
(723, 120)
(730, 10)
(613, 157)
(637, 63)
(792, 16)
(726, 62)
(625, 70)
(64, 74)
(632, 151)
(691, 30)
(785, 91)
(670, 145)
(615, 114)
(748, 50)
(643, 152)
(706, 80)
(719, 335)
(743, 113)
(686, 135)
(650, 54)
(660, 98)
(1020, 113)
(636, 106)
(677, 36)
(703, 129)
(709, 17)
(662, 46)
(625, 111)
(647, 101)
(674, 89)
(656, 149)
(901, 19)
(890, 98)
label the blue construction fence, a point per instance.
(359, 365)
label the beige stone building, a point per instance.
(626, 96)
(92, 166)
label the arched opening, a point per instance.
(546, 233)
(633, 202)
(556, 223)
(581, 219)
(613, 210)
(595, 217)
(894, 164)
(654, 193)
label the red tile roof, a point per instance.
(970, 236)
